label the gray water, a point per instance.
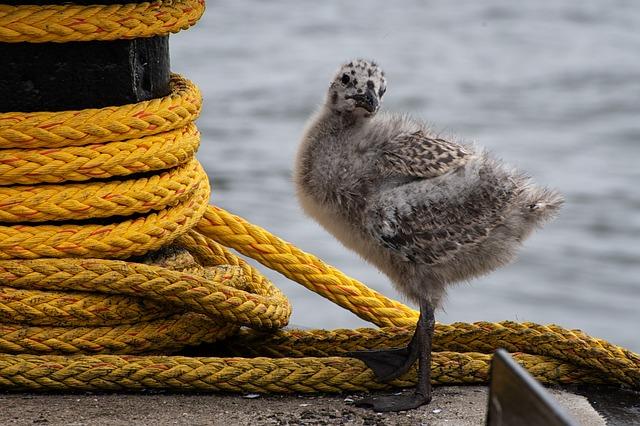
(553, 87)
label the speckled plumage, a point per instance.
(420, 155)
(426, 211)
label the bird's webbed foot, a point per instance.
(395, 402)
(388, 364)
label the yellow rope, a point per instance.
(117, 240)
(79, 163)
(166, 334)
(109, 124)
(304, 268)
(96, 199)
(81, 189)
(268, 375)
(221, 296)
(52, 23)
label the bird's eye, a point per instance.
(381, 91)
(345, 79)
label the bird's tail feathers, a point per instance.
(543, 204)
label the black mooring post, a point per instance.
(78, 75)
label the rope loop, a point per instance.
(109, 124)
(65, 23)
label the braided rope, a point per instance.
(99, 199)
(265, 375)
(167, 335)
(52, 23)
(79, 163)
(304, 268)
(221, 297)
(569, 346)
(118, 240)
(75, 308)
(109, 124)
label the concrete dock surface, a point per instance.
(451, 405)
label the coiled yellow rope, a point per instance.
(50, 23)
(72, 315)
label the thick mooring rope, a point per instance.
(85, 304)
(59, 24)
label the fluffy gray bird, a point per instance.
(426, 211)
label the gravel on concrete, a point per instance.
(451, 405)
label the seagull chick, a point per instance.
(426, 211)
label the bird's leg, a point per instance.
(422, 342)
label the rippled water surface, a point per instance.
(553, 87)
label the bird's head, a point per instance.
(357, 89)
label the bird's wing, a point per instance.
(431, 230)
(417, 155)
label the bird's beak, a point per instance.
(368, 100)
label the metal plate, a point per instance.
(516, 398)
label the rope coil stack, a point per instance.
(86, 199)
